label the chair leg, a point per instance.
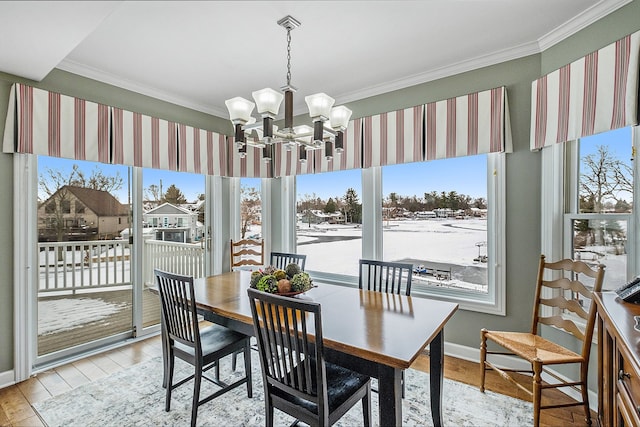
(268, 417)
(247, 367)
(234, 361)
(483, 358)
(169, 379)
(197, 380)
(585, 392)
(537, 391)
(366, 407)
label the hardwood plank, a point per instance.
(4, 419)
(53, 382)
(105, 363)
(33, 390)
(29, 422)
(15, 405)
(92, 371)
(71, 375)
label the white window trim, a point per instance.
(25, 178)
(559, 175)
(494, 302)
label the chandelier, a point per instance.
(329, 122)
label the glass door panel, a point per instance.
(173, 231)
(84, 293)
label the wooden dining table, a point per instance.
(374, 333)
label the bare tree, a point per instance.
(152, 192)
(249, 208)
(603, 177)
(305, 205)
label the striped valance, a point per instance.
(51, 124)
(477, 123)
(596, 93)
(42, 122)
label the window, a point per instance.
(79, 207)
(599, 204)
(329, 221)
(250, 208)
(394, 227)
(437, 221)
(65, 206)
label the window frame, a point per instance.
(494, 301)
(560, 180)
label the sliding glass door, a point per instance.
(84, 290)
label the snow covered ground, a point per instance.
(437, 243)
(447, 244)
(63, 314)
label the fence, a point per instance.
(69, 267)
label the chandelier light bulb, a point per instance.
(268, 101)
(239, 109)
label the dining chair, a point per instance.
(388, 277)
(297, 379)
(282, 259)
(383, 276)
(246, 252)
(202, 348)
(562, 300)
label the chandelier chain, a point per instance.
(288, 57)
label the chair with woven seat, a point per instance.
(202, 348)
(388, 277)
(246, 252)
(282, 259)
(297, 379)
(566, 291)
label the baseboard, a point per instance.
(473, 355)
(7, 378)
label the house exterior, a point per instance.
(315, 216)
(174, 223)
(79, 213)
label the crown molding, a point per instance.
(438, 73)
(579, 22)
(108, 78)
(567, 29)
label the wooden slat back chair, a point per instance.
(569, 299)
(202, 348)
(388, 277)
(383, 276)
(281, 260)
(246, 252)
(297, 379)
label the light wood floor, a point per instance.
(16, 400)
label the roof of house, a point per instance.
(101, 202)
(169, 209)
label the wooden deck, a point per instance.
(104, 327)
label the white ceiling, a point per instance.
(197, 54)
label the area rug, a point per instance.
(135, 397)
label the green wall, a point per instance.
(522, 166)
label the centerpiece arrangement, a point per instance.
(290, 281)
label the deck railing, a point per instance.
(72, 267)
(178, 258)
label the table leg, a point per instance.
(436, 360)
(390, 395)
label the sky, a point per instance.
(465, 175)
